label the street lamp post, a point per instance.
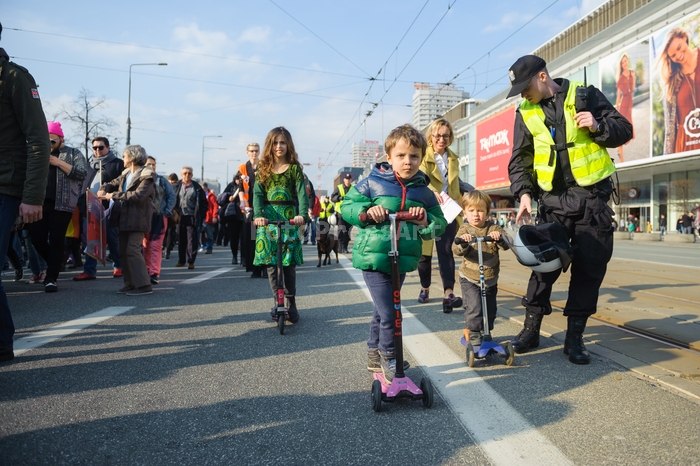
(128, 105)
(201, 180)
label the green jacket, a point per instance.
(24, 136)
(371, 248)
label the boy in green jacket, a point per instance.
(392, 186)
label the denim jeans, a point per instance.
(36, 262)
(90, 264)
(310, 226)
(381, 328)
(9, 209)
(209, 231)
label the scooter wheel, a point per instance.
(471, 357)
(427, 388)
(280, 323)
(510, 353)
(377, 396)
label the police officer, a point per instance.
(24, 167)
(343, 227)
(560, 158)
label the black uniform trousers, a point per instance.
(588, 222)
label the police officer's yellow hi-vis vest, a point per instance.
(341, 190)
(590, 163)
(325, 210)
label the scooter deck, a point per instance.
(486, 348)
(401, 387)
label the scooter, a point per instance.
(280, 313)
(488, 346)
(401, 386)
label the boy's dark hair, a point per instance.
(173, 177)
(102, 139)
(408, 133)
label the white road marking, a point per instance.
(500, 431)
(206, 276)
(35, 340)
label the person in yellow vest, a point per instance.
(324, 215)
(560, 158)
(343, 227)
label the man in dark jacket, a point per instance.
(191, 203)
(24, 167)
(343, 227)
(561, 131)
(104, 167)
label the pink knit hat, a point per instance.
(55, 128)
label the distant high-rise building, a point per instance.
(366, 154)
(431, 102)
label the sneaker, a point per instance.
(200, 250)
(34, 279)
(190, 266)
(234, 261)
(209, 251)
(126, 289)
(140, 291)
(117, 273)
(475, 338)
(423, 296)
(19, 274)
(155, 279)
(374, 361)
(84, 276)
(50, 287)
(388, 365)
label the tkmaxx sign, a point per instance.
(494, 146)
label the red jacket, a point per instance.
(212, 208)
(316, 210)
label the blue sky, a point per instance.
(239, 68)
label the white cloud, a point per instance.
(255, 34)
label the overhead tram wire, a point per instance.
(381, 100)
(319, 38)
(218, 57)
(487, 54)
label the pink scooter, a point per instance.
(401, 386)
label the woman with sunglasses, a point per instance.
(442, 167)
(67, 170)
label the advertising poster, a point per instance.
(676, 87)
(625, 81)
(96, 229)
(494, 145)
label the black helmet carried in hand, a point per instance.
(543, 248)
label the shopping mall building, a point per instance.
(659, 170)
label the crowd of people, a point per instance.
(559, 155)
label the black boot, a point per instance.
(573, 345)
(529, 336)
(292, 309)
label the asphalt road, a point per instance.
(197, 374)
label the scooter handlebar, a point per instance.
(485, 239)
(364, 218)
(279, 222)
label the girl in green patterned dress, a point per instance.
(280, 194)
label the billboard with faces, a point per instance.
(676, 87)
(625, 81)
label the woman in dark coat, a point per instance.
(132, 192)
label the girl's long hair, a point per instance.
(670, 71)
(267, 158)
(619, 64)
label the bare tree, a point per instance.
(683, 194)
(90, 124)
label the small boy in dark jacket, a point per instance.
(477, 207)
(392, 186)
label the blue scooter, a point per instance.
(488, 346)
